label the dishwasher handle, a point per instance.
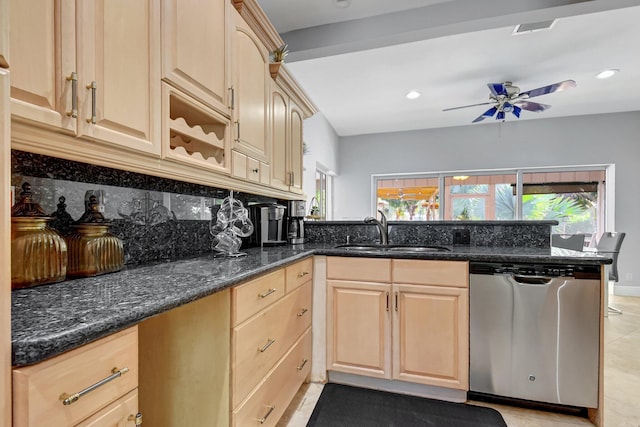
(532, 280)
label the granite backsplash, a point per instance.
(156, 218)
(534, 234)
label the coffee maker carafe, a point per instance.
(295, 225)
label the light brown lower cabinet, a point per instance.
(399, 319)
(270, 344)
(43, 394)
(234, 358)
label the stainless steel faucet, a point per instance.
(382, 227)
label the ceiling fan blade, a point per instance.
(467, 106)
(497, 89)
(500, 115)
(516, 111)
(489, 113)
(533, 106)
(556, 87)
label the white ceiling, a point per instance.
(357, 63)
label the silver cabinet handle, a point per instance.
(68, 399)
(302, 274)
(387, 301)
(266, 346)
(233, 97)
(266, 294)
(302, 312)
(263, 419)
(301, 367)
(137, 419)
(237, 131)
(73, 78)
(396, 301)
(93, 86)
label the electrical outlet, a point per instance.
(629, 277)
(461, 236)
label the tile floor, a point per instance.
(621, 379)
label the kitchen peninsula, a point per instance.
(92, 308)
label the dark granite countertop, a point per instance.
(51, 319)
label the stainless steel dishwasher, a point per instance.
(534, 332)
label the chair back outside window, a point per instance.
(610, 244)
(574, 242)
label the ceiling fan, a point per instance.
(507, 98)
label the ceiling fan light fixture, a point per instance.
(607, 73)
(413, 94)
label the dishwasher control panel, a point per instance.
(542, 270)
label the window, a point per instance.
(574, 199)
(573, 196)
(480, 197)
(322, 198)
(409, 199)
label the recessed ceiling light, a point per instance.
(607, 73)
(414, 94)
(342, 3)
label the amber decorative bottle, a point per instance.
(92, 249)
(38, 253)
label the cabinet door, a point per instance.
(119, 87)
(295, 148)
(359, 328)
(279, 166)
(430, 330)
(195, 49)
(120, 413)
(250, 88)
(42, 57)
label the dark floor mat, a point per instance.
(346, 406)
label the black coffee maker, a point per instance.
(268, 224)
(295, 223)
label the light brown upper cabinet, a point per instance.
(195, 50)
(286, 141)
(250, 91)
(88, 68)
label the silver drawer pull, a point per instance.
(263, 419)
(68, 399)
(302, 274)
(302, 312)
(304, 362)
(266, 294)
(266, 346)
(137, 419)
(73, 78)
(93, 86)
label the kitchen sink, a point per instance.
(392, 248)
(418, 249)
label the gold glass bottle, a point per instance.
(92, 249)
(38, 253)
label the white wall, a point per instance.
(597, 139)
(322, 142)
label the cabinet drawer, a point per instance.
(278, 389)
(37, 389)
(298, 274)
(430, 272)
(253, 296)
(122, 412)
(257, 344)
(360, 269)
